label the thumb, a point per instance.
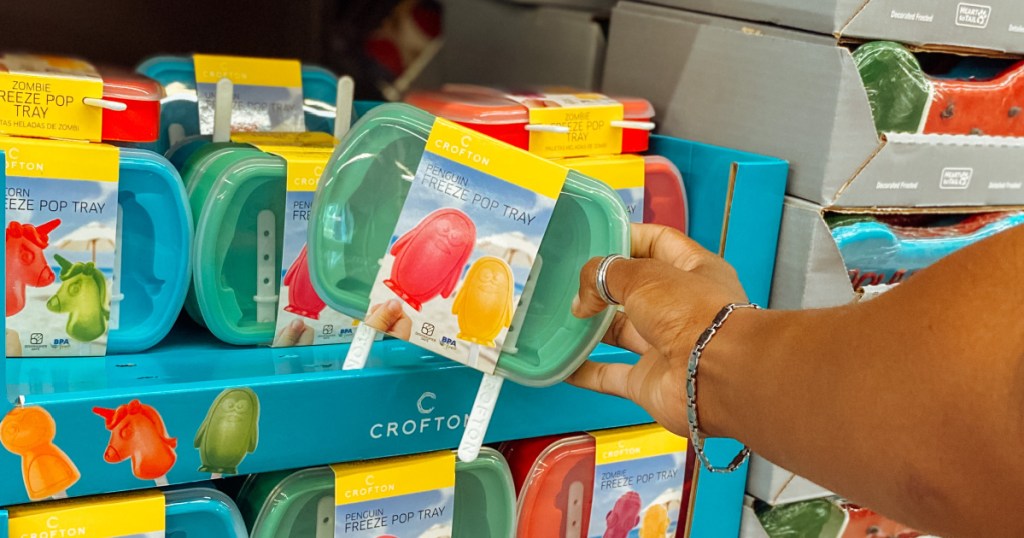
(291, 334)
(385, 317)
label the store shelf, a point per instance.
(311, 412)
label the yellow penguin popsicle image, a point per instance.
(655, 523)
(484, 303)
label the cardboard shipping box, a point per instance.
(797, 96)
(989, 25)
(500, 43)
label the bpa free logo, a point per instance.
(956, 178)
(973, 15)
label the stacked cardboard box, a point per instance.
(780, 77)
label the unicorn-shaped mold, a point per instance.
(83, 295)
(137, 431)
(26, 265)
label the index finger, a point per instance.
(668, 245)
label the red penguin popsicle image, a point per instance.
(26, 265)
(624, 516)
(137, 431)
(429, 258)
(302, 298)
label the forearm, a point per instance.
(913, 401)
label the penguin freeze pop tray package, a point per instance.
(353, 227)
(61, 216)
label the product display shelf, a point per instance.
(310, 412)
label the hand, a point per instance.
(296, 333)
(13, 343)
(390, 318)
(671, 290)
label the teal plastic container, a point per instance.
(202, 513)
(356, 209)
(300, 504)
(156, 246)
(229, 185)
(319, 89)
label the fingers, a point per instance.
(621, 276)
(293, 334)
(623, 334)
(385, 316)
(668, 245)
(605, 377)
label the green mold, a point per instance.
(897, 87)
(229, 431)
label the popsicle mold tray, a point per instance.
(155, 239)
(202, 513)
(177, 74)
(237, 195)
(301, 504)
(905, 99)
(356, 209)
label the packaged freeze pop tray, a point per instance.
(559, 478)
(180, 108)
(302, 503)
(885, 249)
(364, 195)
(127, 104)
(262, 196)
(514, 118)
(147, 246)
(969, 100)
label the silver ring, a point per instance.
(602, 278)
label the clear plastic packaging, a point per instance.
(202, 513)
(358, 201)
(905, 99)
(827, 518)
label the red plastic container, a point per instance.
(664, 194)
(140, 122)
(493, 113)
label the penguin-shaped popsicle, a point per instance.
(302, 298)
(484, 302)
(45, 468)
(229, 431)
(429, 258)
(623, 516)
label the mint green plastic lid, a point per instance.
(300, 504)
(357, 205)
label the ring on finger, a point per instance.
(602, 278)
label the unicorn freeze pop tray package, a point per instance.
(61, 219)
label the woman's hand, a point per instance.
(671, 290)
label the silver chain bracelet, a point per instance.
(691, 393)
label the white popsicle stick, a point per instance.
(359, 350)
(627, 124)
(480, 417)
(105, 104)
(325, 512)
(510, 345)
(266, 258)
(222, 110)
(162, 481)
(574, 511)
(59, 495)
(544, 128)
(215, 476)
(175, 133)
(115, 293)
(343, 105)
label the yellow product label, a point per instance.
(272, 142)
(248, 71)
(393, 477)
(44, 96)
(624, 444)
(304, 169)
(498, 159)
(588, 117)
(617, 171)
(55, 159)
(111, 516)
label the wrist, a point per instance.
(730, 377)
